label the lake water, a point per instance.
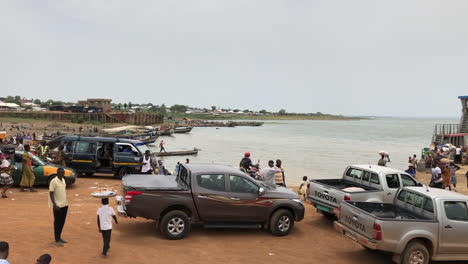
(317, 149)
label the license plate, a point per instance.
(352, 236)
(323, 208)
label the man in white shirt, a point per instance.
(458, 155)
(104, 221)
(268, 174)
(4, 250)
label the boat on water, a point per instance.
(182, 129)
(178, 153)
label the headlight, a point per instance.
(298, 201)
(72, 174)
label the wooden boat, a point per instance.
(182, 129)
(178, 153)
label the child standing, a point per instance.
(303, 187)
(104, 222)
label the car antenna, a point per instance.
(427, 188)
(370, 167)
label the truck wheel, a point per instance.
(281, 222)
(122, 172)
(415, 253)
(89, 174)
(175, 225)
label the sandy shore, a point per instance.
(27, 221)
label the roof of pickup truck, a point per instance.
(211, 168)
(376, 168)
(437, 193)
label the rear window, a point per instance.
(366, 176)
(374, 178)
(355, 173)
(402, 196)
(214, 182)
(414, 199)
(428, 205)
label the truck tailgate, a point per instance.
(325, 197)
(357, 220)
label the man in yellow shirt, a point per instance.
(279, 176)
(58, 201)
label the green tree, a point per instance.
(125, 106)
(37, 101)
(263, 111)
(213, 108)
(179, 108)
(129, 105)
(282, 112)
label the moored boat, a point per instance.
(178, 153)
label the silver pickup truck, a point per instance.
(363, 183)
(421, 224)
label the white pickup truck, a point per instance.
(421, 224)
(362, 183)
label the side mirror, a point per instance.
(261, 191)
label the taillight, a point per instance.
(308, 186)
(129, 196)
(347, 198)
(308, 189)
(338, 212)
(377, 231)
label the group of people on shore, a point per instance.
(271, 175)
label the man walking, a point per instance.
(458, 155)
(104, 221)
(161, 146)
(268, 174)
(58, 201)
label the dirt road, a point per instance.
(27, 224)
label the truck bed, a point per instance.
(146, 182)
(342, 184)
(387, 211)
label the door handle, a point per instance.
(448, 226)
(389, 193)
(235, 199)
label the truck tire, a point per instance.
(281, 222)
(175, 225)
(121, 173)
(415, 253)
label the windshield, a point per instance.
(142, 148)
(37, 161)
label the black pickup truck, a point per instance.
(216, 196)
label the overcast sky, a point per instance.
(393, 58)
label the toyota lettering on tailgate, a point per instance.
(353, 222)
(325, 197)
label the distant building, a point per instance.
(104, 104)
(8, 106)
